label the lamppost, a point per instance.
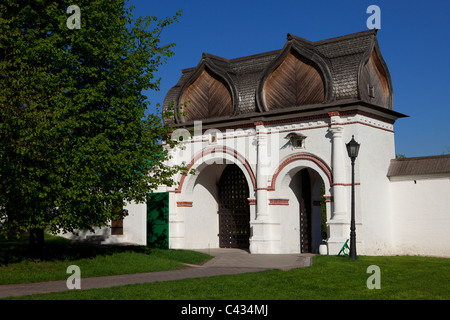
(352, 150)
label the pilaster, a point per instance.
(338, 167)
(339, 223)
(262, 171)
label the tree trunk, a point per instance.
(36, 242)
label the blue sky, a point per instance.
(414, 40)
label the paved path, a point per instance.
(225, 261)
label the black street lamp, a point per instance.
(353, 150)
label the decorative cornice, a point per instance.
(316, 121)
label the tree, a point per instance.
(75, 142)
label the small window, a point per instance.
(297, 143)
(117, 227)
(371, 91)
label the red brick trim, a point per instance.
(184, 204)
(278, 202)
(329, 199)
(252, 202)
(333, 113)
(236, 155)
(298, 157)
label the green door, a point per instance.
(158, 220)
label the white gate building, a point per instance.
(266, 135)
(283, 118)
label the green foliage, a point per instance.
(75, 142)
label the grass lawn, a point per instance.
(17, 266)
(330, 277)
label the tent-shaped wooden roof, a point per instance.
(303, 75)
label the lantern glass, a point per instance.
(352, 148)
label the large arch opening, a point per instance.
(305, 185)
(308, 188)
(205, 194)
(201, 219)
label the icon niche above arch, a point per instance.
(209, 93)
(299, 76)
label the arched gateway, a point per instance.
(266, 137)
(234, 209)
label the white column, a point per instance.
(265, 232)
(339, 224)
(262, 168)
(338, 167)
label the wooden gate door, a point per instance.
(234, 210)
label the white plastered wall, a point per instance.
(421, 215)
(372, 191)
(134, 228)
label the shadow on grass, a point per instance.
(15, 250)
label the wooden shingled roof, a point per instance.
(431, 165)
(345, 69)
